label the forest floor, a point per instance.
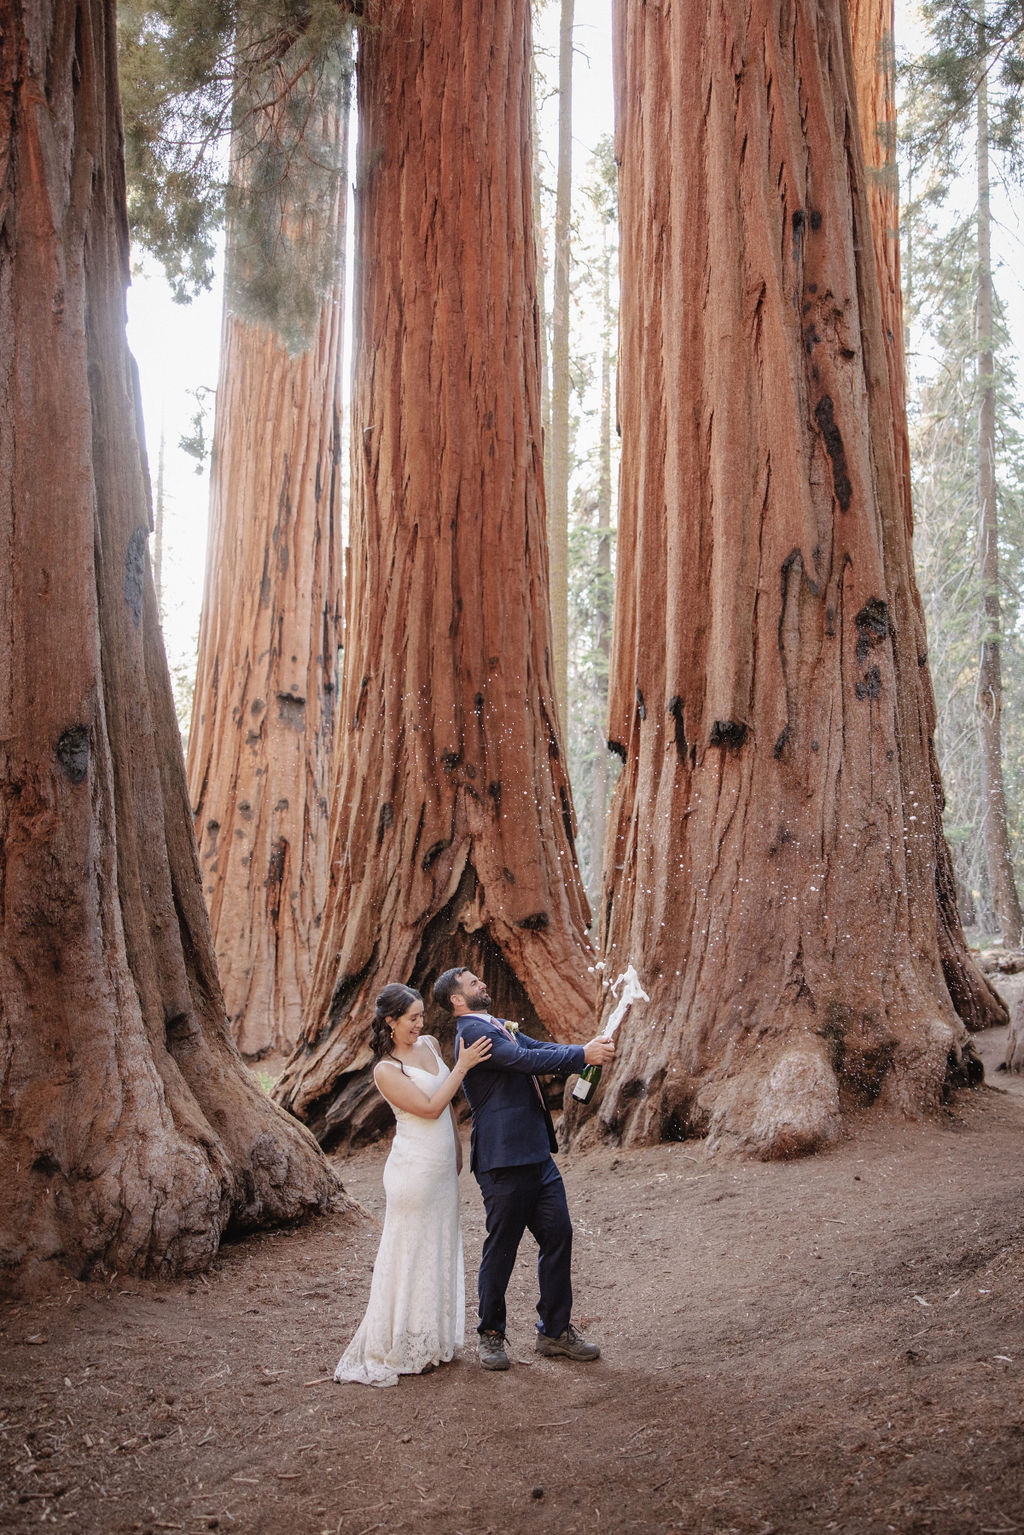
(834, 1344)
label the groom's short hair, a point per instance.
(445, 984)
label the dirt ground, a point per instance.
(834, 1344)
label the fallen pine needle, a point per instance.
(321, 1380)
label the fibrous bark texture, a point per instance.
(131, 1134)
(261, 746)
(557, 486)
(452, 823)
(874, 63)
(771, 864)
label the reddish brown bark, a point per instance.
(130, 1134)
(871, 24)
(557, 486)
(452, 824)
(771, 867)
(261, 745)
(874, 64)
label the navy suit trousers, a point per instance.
(517, 1199)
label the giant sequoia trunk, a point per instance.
(260, 750)
(874, 61)
(452, 824)
(130, 1133)
(771, 866)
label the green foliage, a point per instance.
(196, 443)
(941, 272)
(183, 677)
(592, 507)
(601, 188)
(967, 38)
(944, 448)
(230, 109)
(591, 594)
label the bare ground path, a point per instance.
(827, 1345)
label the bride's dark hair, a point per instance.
(392, 1002)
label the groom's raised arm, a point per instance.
(522, 1053)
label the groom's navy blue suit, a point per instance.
(510, 1153)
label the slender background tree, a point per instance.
(944, 416)
(592, 535)
(964, 107)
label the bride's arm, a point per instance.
(402, 1093)
(458, 1139)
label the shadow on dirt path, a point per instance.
(827, 1345)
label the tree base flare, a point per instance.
(790, 1101)
(794, 1112)
(1015, 1043)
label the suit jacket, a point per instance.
(511, 1124)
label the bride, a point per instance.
(416, 1314)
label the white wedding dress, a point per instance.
(417, 1310)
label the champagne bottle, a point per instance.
(586, 1084)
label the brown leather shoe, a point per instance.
(491, 1350)
(569, 1344)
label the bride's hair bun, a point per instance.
(391, 1003)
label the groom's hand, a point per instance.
(599, 1051)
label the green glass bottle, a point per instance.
(586, 1084)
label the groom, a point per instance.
(510, 1153)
